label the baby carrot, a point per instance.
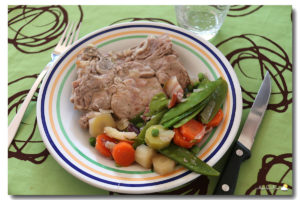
(100, 144)
(182, 141)
(123, 153)
(217, 119)
(192, 130)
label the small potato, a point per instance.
(97, 123)
(162, 164)
(143, 155)
(160, 141)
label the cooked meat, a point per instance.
(88, 90)
(104, 65)
(170, 66)
(84, 119)
(134, 69)
(90, 53)
(133, 95)
(153, 48)
(127, 80)
(158, 54)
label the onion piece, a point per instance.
(119, 135)
(172, 101)
(109, 145)
(173, 89)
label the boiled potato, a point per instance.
(160, 141)
(162, 164)
(97, 123)
(143, 155)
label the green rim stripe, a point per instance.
(199, 56)
(73, 67)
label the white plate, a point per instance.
(68, 143)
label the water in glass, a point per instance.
(205, 21)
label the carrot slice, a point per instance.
(193, 130)
(128, 141)
(123, 153)
(100, 144)
(180, 140)
(216, 120)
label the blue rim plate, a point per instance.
(68, 143)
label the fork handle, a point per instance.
(15, 123)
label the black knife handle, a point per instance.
(228, 178)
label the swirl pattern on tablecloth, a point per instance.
(251, 56)
(242, 10)
(30, 36)
(269, 164)
(35, 29)
(18, 146)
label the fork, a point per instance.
(65, 41)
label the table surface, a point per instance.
(253, 38)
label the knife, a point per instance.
(242, 148)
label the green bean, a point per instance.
(200, 107)
(155, 120)
(195, 149)
(217, 99)
(194, 99)
(158, 103)
(207, 111)
(187, 159)
(202, 84)
(182, 116)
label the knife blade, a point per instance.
(242, 148)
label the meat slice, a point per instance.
(170, 66)
(92, 92)
(90, 53)
(84, 119)
(153, 48)
(126, 81)
(134, 69)
(95, 75)
(157, 53)
(133, 95)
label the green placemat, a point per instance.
(253, 38)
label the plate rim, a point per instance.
(232, 74)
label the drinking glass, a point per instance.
(205, 21)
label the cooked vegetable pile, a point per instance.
(168, 132)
